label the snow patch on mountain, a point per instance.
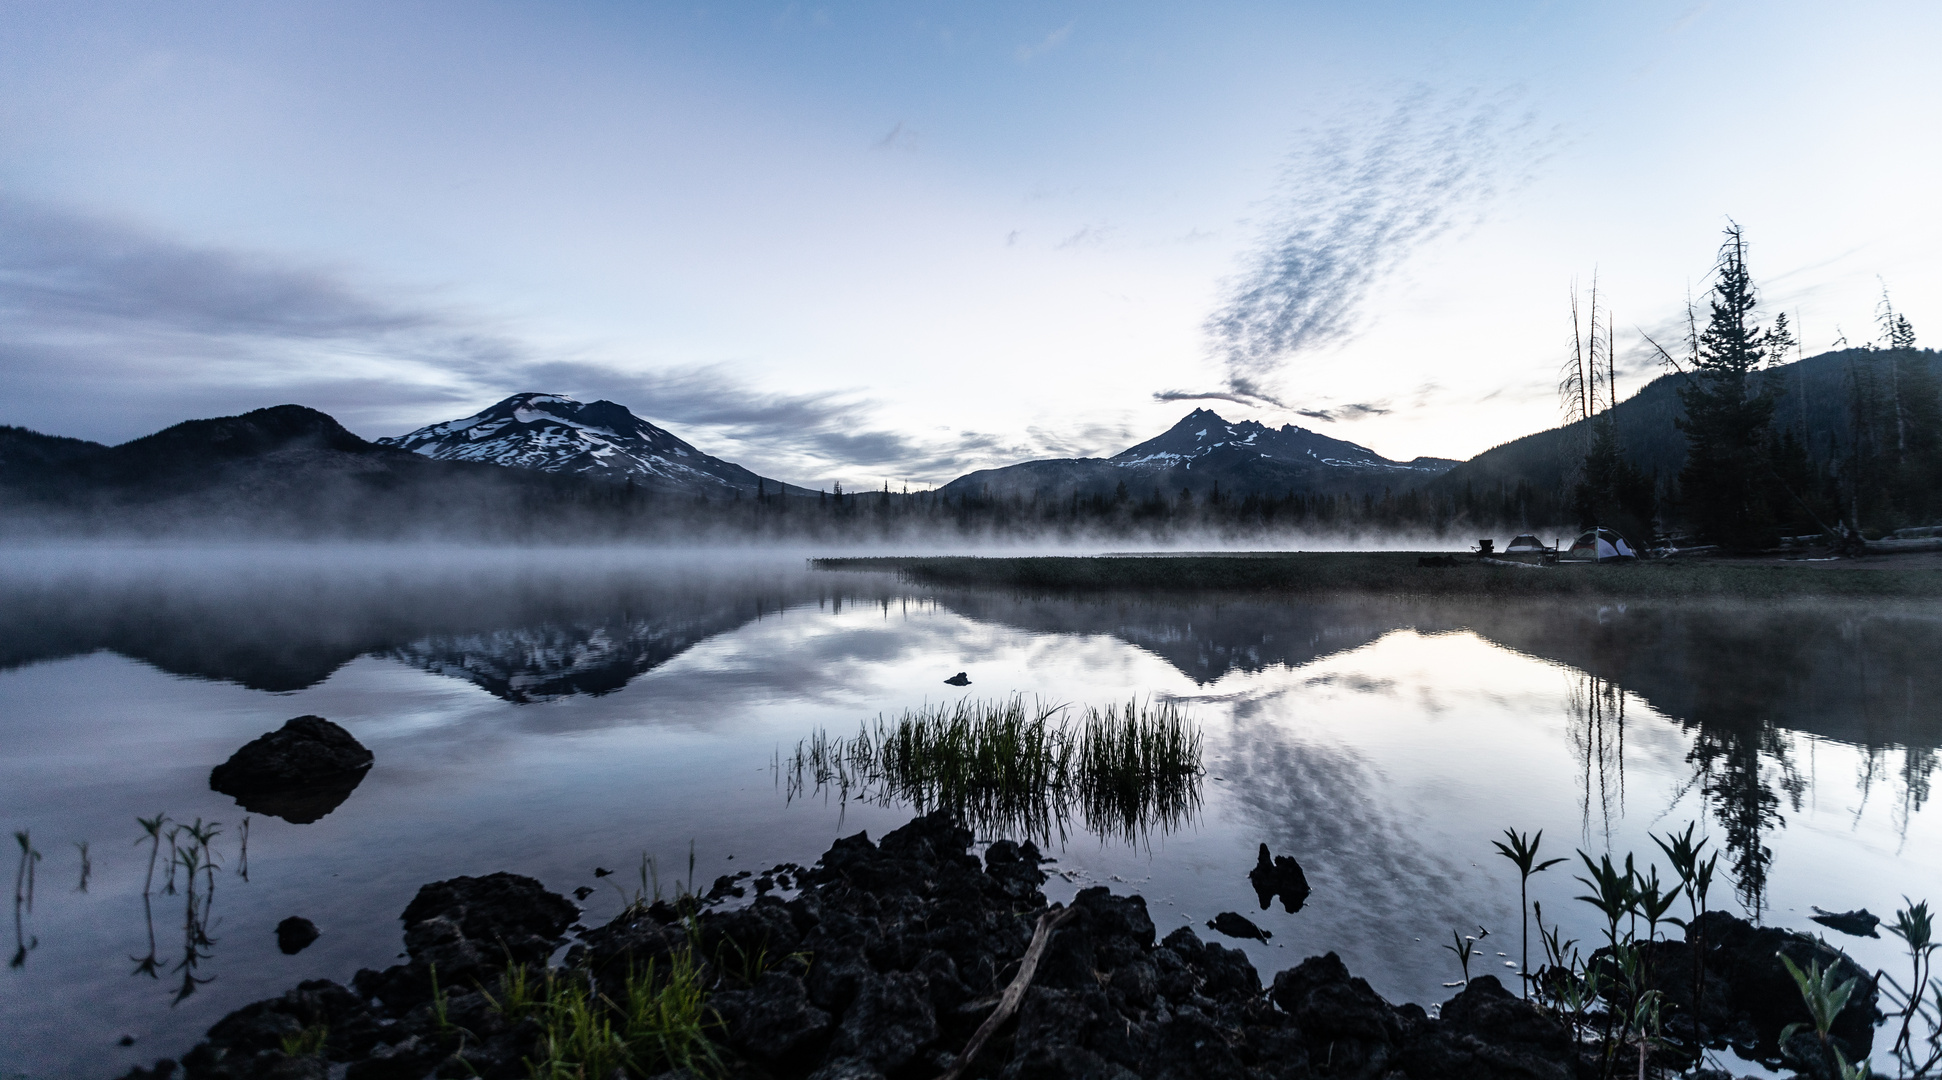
(555, 433)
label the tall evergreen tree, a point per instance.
(1728, 413)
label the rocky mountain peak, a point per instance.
(556, 433)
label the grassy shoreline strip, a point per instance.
(1396, 574)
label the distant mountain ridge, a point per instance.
(286, 470)
(1203, 450)
(1811, 402)
(601, 439)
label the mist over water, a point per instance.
(549, 711)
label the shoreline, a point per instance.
(1913, 576)
(904, 960)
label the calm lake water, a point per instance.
(552, 712)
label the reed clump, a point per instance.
(1013, 767)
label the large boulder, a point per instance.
(299, 772)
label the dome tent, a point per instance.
(1526, 548)
(1600, 545)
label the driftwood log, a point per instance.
(1014, 993)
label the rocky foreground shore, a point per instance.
(891, 956)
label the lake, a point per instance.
(554, 712)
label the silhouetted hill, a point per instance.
(286, 470)
(1813, 403)
(24, 453)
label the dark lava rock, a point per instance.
(726, 886)
(1858, 923)
(772, 1020)
(471, 929)
(1279, 876)
(894, 953)
(1747, 996)
(1747, 958)
(512, 916)
(299, 772)
(294, 935)
(1486, 1032)
(1236, 925)
(960, 679)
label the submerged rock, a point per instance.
(294, 935)
(1281, 876)
(1747, 996)
(960, 679)
(1236, 925)
(300, 772)
(1857, 923)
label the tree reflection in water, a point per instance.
(1918, 765)
(1597, 710)
(1728, 765)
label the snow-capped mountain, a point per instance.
(554, 433)
(1202, 434)
(554, 660)
(1203, 450)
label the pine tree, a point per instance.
(1727, 414)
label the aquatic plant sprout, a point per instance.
(1012, 768)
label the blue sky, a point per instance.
(876, 242)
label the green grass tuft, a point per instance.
(660, 1023)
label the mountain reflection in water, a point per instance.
(547, 713)
(534, 635)
(1743, 682)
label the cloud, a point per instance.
(1236, 396)
(1354, 204)
(1026, 53)
(1089, 440)
(109, 331)
(63, 268)
(899, 138)
(1088, 236)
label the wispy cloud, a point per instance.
(1357, 410)
(1087, 236)
(1087, 440)
(899, 137)
(1353, 205)
(110, 330)
(1025, 54)
(1253, 400)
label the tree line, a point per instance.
(1751, 478)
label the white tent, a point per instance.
(1526, 544)
(1600, 545)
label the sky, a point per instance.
(894, 242)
